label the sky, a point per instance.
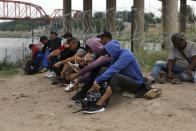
(100, 5)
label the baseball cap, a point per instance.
(68, 34)
(177, 36)
(105, 34)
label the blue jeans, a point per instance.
(39, 57)
(162, 65)
(45, 61)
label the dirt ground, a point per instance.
(31, 103)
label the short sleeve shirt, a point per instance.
(189, 51)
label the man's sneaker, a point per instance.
(51, 75)
(93, 109)
(128, 94)
(46, 75)
(79, 95)
(69, 87)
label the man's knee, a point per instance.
(161, 63)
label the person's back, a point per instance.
(123, 62)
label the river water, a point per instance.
(14, 48)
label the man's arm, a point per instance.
(193, 64)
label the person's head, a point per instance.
(43, 39)
(67, 35)
(74, 44)
(53, 35)
(179, 41)
(105, 37)
(88, 49)
(31, 47)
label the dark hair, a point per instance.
(42, 38)
(66, 35)
(74, 40)
(105, 34)
(177, 36)
(31, 45)
(54, 33)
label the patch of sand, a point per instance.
(31, 103)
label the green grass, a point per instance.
(9, 68)
(147, 59)
(9, 72)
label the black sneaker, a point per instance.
(79, 95)
(93, 109)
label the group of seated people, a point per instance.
(101, 60)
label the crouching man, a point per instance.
(37, 55)
(181, 60)
(124, 72)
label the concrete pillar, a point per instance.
(87, 16)
(67, 15)
(170, 21)
(138, 27)
(182, 27)
(111, 15)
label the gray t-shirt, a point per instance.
(180, 61)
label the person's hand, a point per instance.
(189, 72)
(48, 57)
(62, 74)
(76, 85)
(57, 64)
(73, 76)
(171, 74)
(94, 87)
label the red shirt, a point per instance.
(62, 47)
(37, 48)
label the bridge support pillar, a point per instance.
(87, 16)
(111, 15)
(138, 23)
(182, 27)
(170, 21)
(67, 15)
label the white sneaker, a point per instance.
(69, 87)
(128, 94)
(46, 75)
(51, 75)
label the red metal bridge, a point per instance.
(18, 10)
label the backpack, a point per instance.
(30, 68)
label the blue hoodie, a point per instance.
(123, 62)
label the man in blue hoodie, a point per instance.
(124, 72)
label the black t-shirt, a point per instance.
(49, 46)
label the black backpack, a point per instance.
(30, 68)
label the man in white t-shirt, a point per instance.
(181, 60)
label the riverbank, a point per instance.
(18, 34)
(31, 103)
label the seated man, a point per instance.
(75, 51)
(89, 72)
(37, 55)
(124, 72)
(56, 39)
(53, 56)
(181, 60)
(49, 46)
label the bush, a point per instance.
(147, 58)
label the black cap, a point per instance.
(105, 34)
(68, 34)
